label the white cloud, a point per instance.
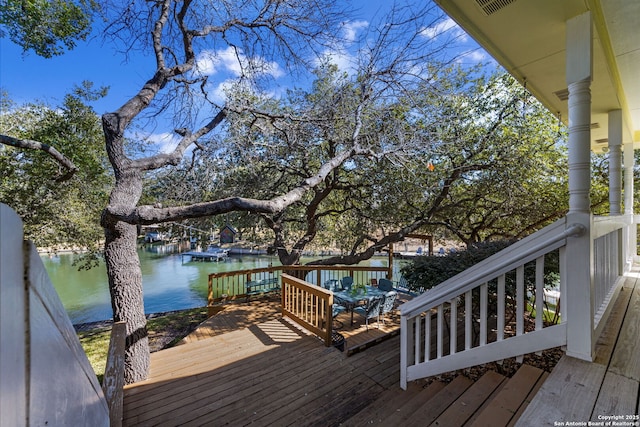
(351, 28)
(340, 57)
(218, 93)
(234, 62)
(165, 142)
(443, 27)
(475, 55)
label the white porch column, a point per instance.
(629, 163)
(578, 292)
(632, 236)
(615, 162)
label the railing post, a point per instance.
(390, 273)
(113, 381)
(405, 348)
(578, 299)
(210, 297)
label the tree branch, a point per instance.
(51, 151)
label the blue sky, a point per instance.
(27, 77)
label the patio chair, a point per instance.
(331, 284)
(336, 309)
(402, 285)
(385, 285)
(388, 304)
(371, 310)
(346, 283)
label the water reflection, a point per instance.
(168, 283)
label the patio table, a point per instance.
(351, 299)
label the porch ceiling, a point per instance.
(527, 37)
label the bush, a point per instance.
(426, 272)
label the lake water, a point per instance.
(168, 283)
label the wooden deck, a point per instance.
(274, 374)
(235, 316)
(609, 387)
(248, 365)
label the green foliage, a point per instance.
(56, 214)
(465, 155)
(499, 168)
(424, 273)
(427, 272)
(46, 26)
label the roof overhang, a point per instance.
(528, 38)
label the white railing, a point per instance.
(490, 303)
(609, 261)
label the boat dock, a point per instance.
(205, 256)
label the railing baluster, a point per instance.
(520, 300)
(417, 340)
(501, 305)
(453, 327)
(467, 320)
(520, 305)
(427, 336)
(440, 330)
(539, 297)
(484, 313)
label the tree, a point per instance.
(46, 26)
(515, 157)
(459, 151)
(59, 198)
(369, 107)
(254, 33)
(178, 34)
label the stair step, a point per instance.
(471, 400)
(388, 402)
(406, 410)
(528, 400)
(509, 400)
(427, 413)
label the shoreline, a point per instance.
(101, 324)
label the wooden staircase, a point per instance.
(493, 400)
(273, 374)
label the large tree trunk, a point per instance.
(123, 271)
(125, 286)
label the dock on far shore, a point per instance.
(206, 256)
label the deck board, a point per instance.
(528, 399)
(426, 414)
(607, 340)
(406, 410)
(568, 395)
(473, 398)
(222, 395)
(618, 396)
(626, 357)
(581, 391)
(388, 402)
(506, 404)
